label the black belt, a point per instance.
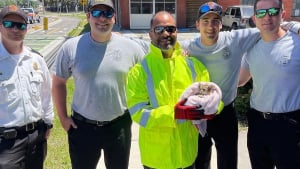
(79, 117)
(293, 115)
(14, 132)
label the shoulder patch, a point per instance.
(34, 51)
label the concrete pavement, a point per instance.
(135, 162)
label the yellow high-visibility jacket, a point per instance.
(153, 88)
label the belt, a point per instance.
(14, 132)
(79, 117)
(293, 115)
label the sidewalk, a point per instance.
(135, 162)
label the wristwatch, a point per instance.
(49, 126)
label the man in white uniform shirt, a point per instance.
(26, 109)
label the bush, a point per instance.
(242, 102)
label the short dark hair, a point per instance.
(256, 1)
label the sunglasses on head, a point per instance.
(206, 8)
(106, 14)
(260, 13)
(11, 24)
(161, 29)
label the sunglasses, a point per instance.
(206, 8)
(161, 29)
(11, 24)
(106, 14)
(260, 13)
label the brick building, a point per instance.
(136, 14)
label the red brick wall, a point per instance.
(181, 13)
(125, 17)
(288, 7)
(225, 3)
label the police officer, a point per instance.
(26, 110)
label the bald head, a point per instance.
(161, 16)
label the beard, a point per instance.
(165, 44)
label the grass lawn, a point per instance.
(58, 151)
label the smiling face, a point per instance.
(11, 35)
(163, 31)
(101, 25)
(209, 26)
(268, 23)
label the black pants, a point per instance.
(87, 141)
(190, 167)
(26, 151)
(223, 129)
(273, 142)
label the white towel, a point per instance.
(206, 95)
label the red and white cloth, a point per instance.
(208, 100)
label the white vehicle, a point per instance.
(32, 16)
(237, 17)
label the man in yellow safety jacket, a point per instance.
(154, 86)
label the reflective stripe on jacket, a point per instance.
(153, 88)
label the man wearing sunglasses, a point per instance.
(274, 65)
(26, 107)
(153, 89)
(98, 61)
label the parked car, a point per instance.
(237, 17)
(32, 16)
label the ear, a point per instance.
(197, 24)
(283, 13)
(150, 33)
(254, 19)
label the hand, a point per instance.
(67, 123)
(190, 112)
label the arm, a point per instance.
(46, 99)
(292, 26)
(59, 92)
(142, 111)
(244, 77)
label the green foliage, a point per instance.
(20, 3)
(82, 27)
(242, 102)
(58, 151)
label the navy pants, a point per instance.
(190, 167)
(274, 141)
(27, 151)
(87, 141)
(223, 129)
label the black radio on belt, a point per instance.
(9, 133)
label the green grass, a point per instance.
(58, 151)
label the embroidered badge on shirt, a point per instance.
(284, 60)
(226, 53)
(35, 66)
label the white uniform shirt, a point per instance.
(25, 89)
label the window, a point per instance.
(247, 2)
(141, 6)
(146, 6)
(167, 5)
(296, 8)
